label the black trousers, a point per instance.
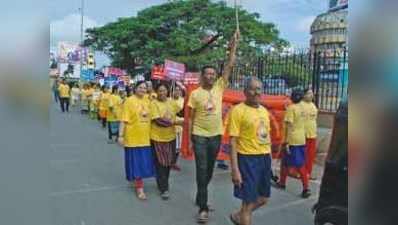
(162, 176)
(64, 102)
(103, 122)
(206, 150)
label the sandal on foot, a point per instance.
(141, 195)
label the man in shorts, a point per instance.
(249, 129)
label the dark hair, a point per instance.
(306, 90)
(202, 71)
(115, 88)
(138, 84)
(182, 90)
(297, 95)
(164, 84)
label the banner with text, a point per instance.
(174, 70)
(157, 72)
(191, 78)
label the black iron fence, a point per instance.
(326, 73)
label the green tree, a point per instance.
(194, 32)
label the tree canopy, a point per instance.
(194, 32)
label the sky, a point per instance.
(292, 17)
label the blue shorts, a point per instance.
(296, 158)
(256, 177)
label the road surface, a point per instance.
(88, 185)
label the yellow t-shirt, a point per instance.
(208, 113)
(180, 103)
(104, 101)
(295, 115)
(251, 127)
(136, 116)
(120, 114)
(167, 109)
(114, 108)
(64, 91)
(310, 123)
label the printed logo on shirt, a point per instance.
(144, 114)
(168, 115)
(262, 132)
(210, 106)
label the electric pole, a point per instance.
(81, 36)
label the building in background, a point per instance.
(329, 30)
(329, 49)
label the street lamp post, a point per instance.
(81, 37)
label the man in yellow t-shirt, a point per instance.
(249, 130)
(294, 153)
(205, 125)
(64, 95)
(310, 126)
(114, 107)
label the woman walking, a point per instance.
(134, 135)
(114, 107)
(103, 105)
(163, 136)
(84, 103)
(293, 155)
(95, 96)
(75, 94)
(310, 125)
(178, 98)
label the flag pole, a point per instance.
(236, 15)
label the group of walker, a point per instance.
(147, 125)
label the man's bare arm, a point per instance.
(233, 45)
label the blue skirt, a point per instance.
(114, 127)
(296, 158)
(139, 162)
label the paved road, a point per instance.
(88, 186)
